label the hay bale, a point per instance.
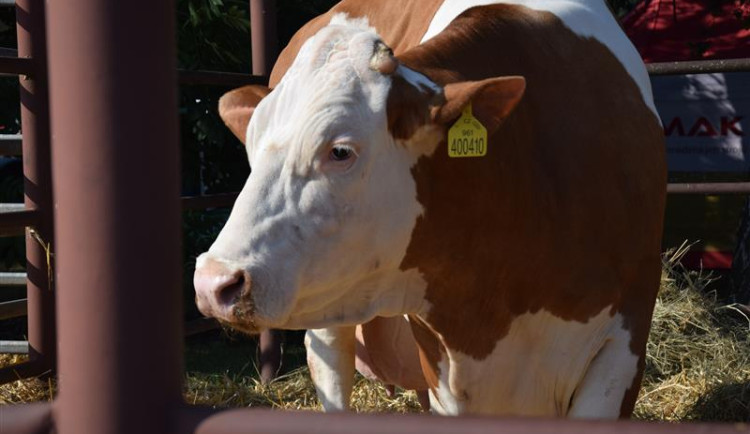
(698, 354)
(24, 391)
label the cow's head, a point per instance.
(320, 228)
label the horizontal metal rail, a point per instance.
(27, 418)
(11, 207)
(7, 3)
(13, 309)
(14, 222)
(698, 67)
(218, 78)
(8, 52)
(709, 188)
(10, 145)
(12, 279)
(200, 325)
(201, 421)
(14, 347)
(221, 200)
(16, 65)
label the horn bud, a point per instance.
(383, 60)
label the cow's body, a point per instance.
(528, 275)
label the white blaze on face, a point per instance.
(326, 215)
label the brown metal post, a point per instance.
(264, 50)
(37, 184)
(269, 356)
(263, 35)
(116, 183)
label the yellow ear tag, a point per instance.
(467, 137)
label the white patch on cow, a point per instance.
(586, 18)
(607, 379)
(323, 245)
(330, 357)
(542, 364)
(343, 19)
(441, 400)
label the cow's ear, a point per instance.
(237, 106)
(492, 100)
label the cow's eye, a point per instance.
(341, 153)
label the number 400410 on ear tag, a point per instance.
(467, 137)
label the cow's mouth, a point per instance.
(243, 314)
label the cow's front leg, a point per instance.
(330, 357)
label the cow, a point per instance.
(526, 270)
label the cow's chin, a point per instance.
(246, 328)
(240, 317)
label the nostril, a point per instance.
(230, 293)
(219, 289)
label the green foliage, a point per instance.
(213, 34)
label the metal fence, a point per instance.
(114, 259)
(15, 217)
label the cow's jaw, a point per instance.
(297, 223)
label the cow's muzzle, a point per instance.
(224, 293)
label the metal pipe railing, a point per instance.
(698, 67)
(208, 201)
(14, 347)
(116, 257)
(709, 188)
(201, 421)
(12, 223)
(32, 44)
(12, 279)
(10, 145)
(217, 78)
(16, 65)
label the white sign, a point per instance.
(705, 118)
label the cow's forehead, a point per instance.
(329, 85)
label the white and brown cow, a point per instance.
(528, 276)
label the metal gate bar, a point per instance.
(31, 32)
(243, 421)
(117, 258)
(699, 67)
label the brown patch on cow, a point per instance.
(407, 108)
(236, 107)
(430, 351)
(401, 27)
(557, 216)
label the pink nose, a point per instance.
(218, 288)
